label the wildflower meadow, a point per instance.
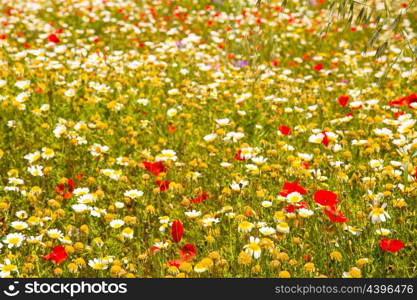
(223, 138)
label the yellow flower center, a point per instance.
(14, 240)
(8, 268)
(254, 247)
(378, 211)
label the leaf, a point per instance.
(381, 49)
(405, 167)
(387, 9)
(396, 22)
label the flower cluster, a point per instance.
(162, 138)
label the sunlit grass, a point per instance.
(122, 118)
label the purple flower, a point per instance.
(241, 63)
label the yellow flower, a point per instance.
(283, 256)
(283, 227)
(354, 272)
(80, 262)
(78, 246)
(400, 203)
(58, 271)
(336, 256)
(245, 227)
(200, 268)
(210, 239)
(84, 228)
(284, 274)
(244, 258)
(173, 270)
(214, 255)
(294, 197)
(310, 267)
(186, 267)
(69, 249)
(256, 269)
(72, 267)
(98, 264)
(150, 209)
(274, 264)
(361, 262)
(253, 247)
(207, 262)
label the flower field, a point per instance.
(203, 138)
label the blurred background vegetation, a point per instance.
(387, 15)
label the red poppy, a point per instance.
(335, 214)
(391, 245)
(318, 67)
(306, 165)
(290, 187)
(155, 168)
(155, 249)
(325, 140)
(177, 231)
(249, 211)
(404, 101)
(397, 114)
(301, 205)
(61, 189)
(188, 252)
(39, 90)
(53, 38)
(285, 130)
(200, 198)
(163, 185)
(175, 263)
(325, 198)
(71, 185)
(290, 208)
(171, 129)
(343, 100)
(58, 255)
(238, 155)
